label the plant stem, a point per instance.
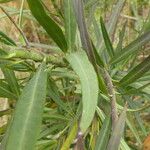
(38, 57)
(85, 39)
(112, 96)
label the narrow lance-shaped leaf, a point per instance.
(123, 144)
(6, 92)
(70, 23)
(136, 72)
(99, 62)
(97, 32)
(53, 30)
(5, 39)
(71, 137)
(107, 41)
(81, 65)
(121, 38)
(52, 91)
(134, 131)
(112, 23)
(103, 138)
(131, 48)
(12, 81)
(117, 132)
(12, 90)
(25, 126)
(138, 118)
(113, 20)
(98, 58)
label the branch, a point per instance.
(112, 96)
(32, 55)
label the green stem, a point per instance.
(35, 56)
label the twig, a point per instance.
(37, 57)
(112, 96)
(18, 28)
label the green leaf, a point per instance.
(71, 137)
(136, 72)
(20, 66)
(121, 38)
(81, 65)
(70, 23)
(12, 81)
(133, 130)
(5, 91)
(107, 41)
(6, 40)
(46, 144)
(52, 91)
(25, 126)
(132, 48)
(97, 32)
(117, 132)
(139, 120)
(98, 58)
(112, 23)
(100, 62)
(138, 88)
(104, 134)
(53, 30)
(123, 145)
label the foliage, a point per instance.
(75, 88)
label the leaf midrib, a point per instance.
(30, 110)
(82, 70)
